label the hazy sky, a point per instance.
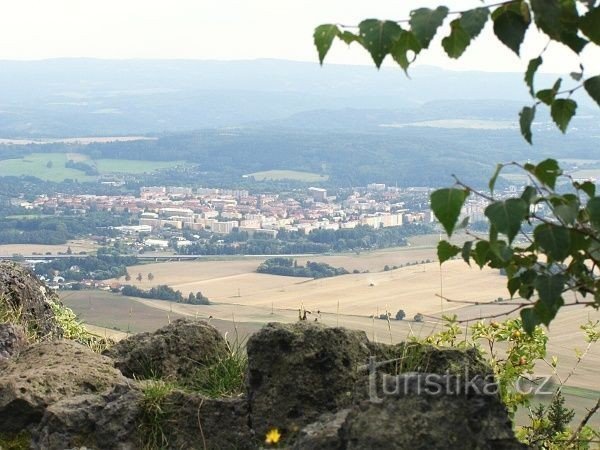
(230, 29)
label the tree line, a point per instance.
(289, 267)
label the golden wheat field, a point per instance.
(77, 246)
(241, 295)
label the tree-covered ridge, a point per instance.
(362, 237)
(58, 229)
(573, 23)
(105, 265)
(289, 267)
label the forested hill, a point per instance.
(353, 124)
(407, 156)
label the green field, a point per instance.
(51, 166)
(37, 164)
(295, 175)
(107, 166)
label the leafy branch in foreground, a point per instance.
(547, 240)
(575, 24)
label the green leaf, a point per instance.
(446, 205)
(446, 250)
(567, 208)
(348, 37)
(463, 224)
(507, 216)
(513, 286)
(482, 250)
(547, 172)
(587, 186)
(529, 319)
(463, 30)
(562, 111)
(526, 117)
(593, 209)
(550, 289)
(424, 23)
(577, 76)
(532, 68)
(323, 37)
(554, 240)
(457, 41)
(548, 95)
(466, 252)
(558, 19)
(510, 24)
(590, 25)
(579, 241)
(492, 182)
(529, 195)
(406, 42)
(378, 37)
(502, 254)
(473, 20)
(592, 86)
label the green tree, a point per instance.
(564, 249)
(573, 23)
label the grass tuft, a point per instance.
(18, 441)
(65, 318)
(155, 413)
(225, 377)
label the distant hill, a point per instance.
(81, 97)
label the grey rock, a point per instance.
(12, 340)
(173, 352)
(22, 291)
(299, 371)
(198, 422)
(419, 417)
(322, 434)
(103, 422)
(46, 373)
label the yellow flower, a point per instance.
(273, 436)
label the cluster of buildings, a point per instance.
(225, 211)
(222, 211)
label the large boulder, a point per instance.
(46, 373)
(423, 411)
(299, 371)
(419, 411)
(24, 293)
(12, 340)
(192, 421)
(173, 352)
(105, 422)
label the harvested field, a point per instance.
(29, 249)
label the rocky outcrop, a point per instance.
(322, 388)
(47, 373)
(12, 340)
(26, 295)
(173, 352)
(423, 411)
(198, 422)
(296, 372)
(108, 421)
